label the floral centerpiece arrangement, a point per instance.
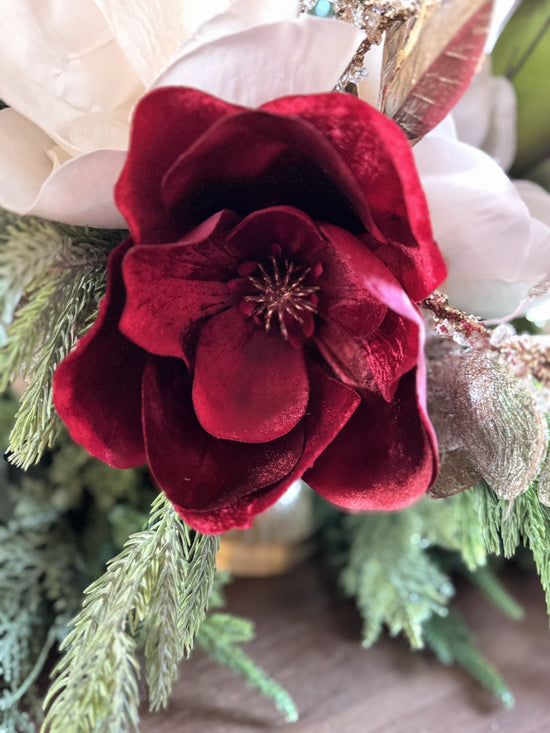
(245, 249)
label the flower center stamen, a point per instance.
(281, 294)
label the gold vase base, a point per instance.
(261, 559)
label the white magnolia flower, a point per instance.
(73, 72)
(495, 248)
(485, 116)
(494, 233)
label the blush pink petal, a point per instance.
(248, 385)
(97, 387)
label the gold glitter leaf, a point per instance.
(425, 79)
(487, 421)
(456, 473)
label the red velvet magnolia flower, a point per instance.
(258, 324)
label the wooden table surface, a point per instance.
(309, 641)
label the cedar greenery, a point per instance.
(398, 568)
(96, 678)
(220, 635)
(506, 525)
(52, 277)
(451, 641)
(40, 589)
(392, 579)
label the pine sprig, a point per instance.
(451, 641)
(59, 310)
(29, 246)
(508, 524)
(391, 577)
(52, 277)
(95, 688)
(219, 637)
(176, 608)
(38, 589)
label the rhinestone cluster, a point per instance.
(372, 16)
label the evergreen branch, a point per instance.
(486, 580)
(60, 310)
(29, 247)
(177, 608)
(450, 640)
(509, 524)
(95, 686)
(33, 603)
(218, 637)
(452, 524)
(392, 579)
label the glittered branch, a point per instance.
(524, 354)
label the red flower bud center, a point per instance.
(281, 292)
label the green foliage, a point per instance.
(506, 525)
(523, 54)
(39, 591)
(96, 679)
(219, 637)
(393, 579)
(52, 277)
(32, 247)
(399, 567)
(487, 581)
(449, 638)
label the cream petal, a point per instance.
(488, 238)
(237, 16)
(81, 191)
(536, 198)
(151, 31)
(369, 88)
(36, 177)
(248, 68)
(24, 161)
(472, 114)
(155, 32)
(62, 68)
(485, 117)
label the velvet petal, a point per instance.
(331, 406)
(253, 160)
(173, 287)
(249, 385)
(384, 458)
(392, 352)
(379, 156)
(291, 230)
(199, 473)
(166, 122)
(360, 297)
(97, 387)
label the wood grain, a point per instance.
(309, 641)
